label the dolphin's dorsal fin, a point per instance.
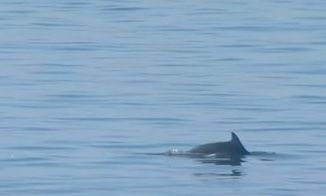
(238, 145)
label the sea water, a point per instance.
(89, 88)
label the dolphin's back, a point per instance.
(212, 148)
(233, 147)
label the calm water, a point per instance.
(89, 87)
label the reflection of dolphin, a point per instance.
(232, 148)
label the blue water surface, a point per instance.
(88, 88)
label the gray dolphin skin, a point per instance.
(219, 153)
(232, 148)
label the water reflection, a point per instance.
(232, 173)
(218, 160)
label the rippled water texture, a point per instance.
(90, 88)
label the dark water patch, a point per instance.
(234, 173)
(236, 122)
(313, 18)
(178, 29)
(311, 71)
(160, 74)
(285, 123)
(41, 148)
(147, 147)
(75, 47)
(23, 12)
(195, 84)
(256, 109)
(281, 78)
(40, 129)
(71, 144)
(316, 9)
(11, 128)
(123, 9)
(310, 98)
(308, 85)
(297, 144)
(285, 49)
(176, 65)
(129, 21)
(184, 51)
(318, 43)
(76, 5)
(209, 11)
(150, 119)
(114, 135)
(53, 24)
(8, 184)
(217, 95)
(125, 103)
(312, 182)
(143, 81)
(213, 103)
(122, 160)
(76, 95)
(60, 46)
(61, 65)
(44, 190)
(75, 101)
(222, 161)
(316, 151)
(278, 129)
(124, 146)
(43, 164)
(275, 67)
(54, 72)
(56, 81)
(283, 191)
(53, 46)
(238, 46)
(229, 59)
(21, 83)
(260, 28)
(36, 105)
(24, 160)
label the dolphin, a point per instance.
(220, 153)
(232, 148)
